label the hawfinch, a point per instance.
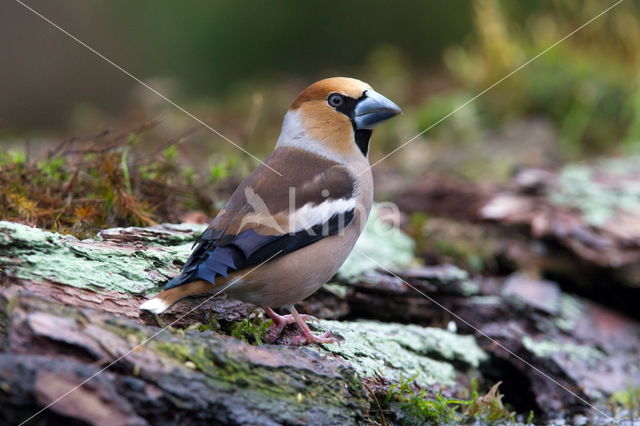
(291, 224)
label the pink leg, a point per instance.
(281, 321)
(306, 336)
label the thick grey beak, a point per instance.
(373, 109)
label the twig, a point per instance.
(375, 399)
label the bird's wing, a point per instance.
(269, 215)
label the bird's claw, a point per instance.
(280, 322)
(305, 336)
(305, 339)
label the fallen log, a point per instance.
(69, 309)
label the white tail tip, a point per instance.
(155, 305)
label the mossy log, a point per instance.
(69, 308)
(592, 211)
(579, 225)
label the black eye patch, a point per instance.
(348, 106)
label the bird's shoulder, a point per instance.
(310, 191)
(270, 215)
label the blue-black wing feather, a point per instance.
(216, 254)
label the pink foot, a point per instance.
(280, 322)
(307, 338)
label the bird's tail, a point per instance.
(163, 300)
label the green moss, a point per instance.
(12, 157)
(196, 356)
(394, 351)
(98, 184)
(15, 234)
(547, 348)
(285, 391)
(415, 406)
(32, 254)
(211, 325)
(627, 402)
(380, 245)
(570, 312)
(251, 329)
(601, 190)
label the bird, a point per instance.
(289, 226)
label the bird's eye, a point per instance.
(335, 100)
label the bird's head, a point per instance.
(336, 115)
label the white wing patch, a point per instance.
(310, 214)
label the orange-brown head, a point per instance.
(337, 114)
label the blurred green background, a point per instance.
(237, 66)
(430, 56)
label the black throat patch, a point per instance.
(362, 137)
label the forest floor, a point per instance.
(497, 324)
